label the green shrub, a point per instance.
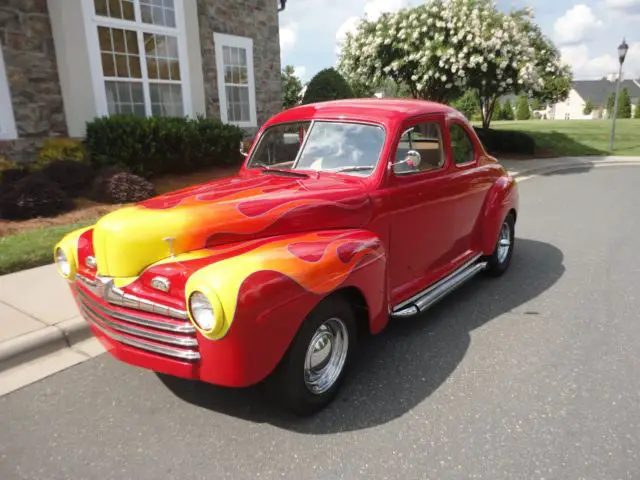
(11, 175)
(33, 196)
(326, 85)
(56, 149)
(522, 109)
(506, 141)
(114, 185)
(71, 176)
(6, 164)
(151, 146)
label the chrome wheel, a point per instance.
(326, 356)
(504, 242)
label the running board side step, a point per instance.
(425, 299)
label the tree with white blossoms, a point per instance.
(445, 47)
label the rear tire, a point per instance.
(500, 260)
(313, 369)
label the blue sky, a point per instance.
(587, 32)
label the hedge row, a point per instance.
(506, 141)
(49, 191)
(150, 146)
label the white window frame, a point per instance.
(93, 21)
(224, 40)
(7, 120)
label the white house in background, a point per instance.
(597, 91)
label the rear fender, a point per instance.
(502, 198)
(262, 296)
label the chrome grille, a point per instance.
(147, 331)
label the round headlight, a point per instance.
(202, 311)
(63, 262)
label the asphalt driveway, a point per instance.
(533, 375)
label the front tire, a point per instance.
(314, 367)
(499, 261)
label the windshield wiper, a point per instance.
(355, 168)
(267, 168)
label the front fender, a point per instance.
(501, 199)
(264, 294)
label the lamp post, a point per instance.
(622, 52)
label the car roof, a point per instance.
(362, 109)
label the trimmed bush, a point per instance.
(72, 177)
(12, 175)
(57, 149)
(33, 196)
(114, 185)
(326, 85)
(150, 146)
(505, 141)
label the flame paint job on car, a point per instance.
(271, 247)
(319, 262)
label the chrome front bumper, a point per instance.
(136, 322)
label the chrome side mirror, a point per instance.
(409, 164)
(242, 150)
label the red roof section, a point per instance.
(362, 109)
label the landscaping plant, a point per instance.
(326, 85)
(71, 176)
(57, 149)
(150, 146)
(114, 185)
(443, 47)
(33, 196)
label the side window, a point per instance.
(461, 145)
(420, 149)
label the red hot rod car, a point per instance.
(345, 214)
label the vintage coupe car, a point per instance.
(344, 215)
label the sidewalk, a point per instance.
(39, 318)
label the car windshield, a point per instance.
(352, 148)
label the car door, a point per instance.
(422, 204)
(470, 181)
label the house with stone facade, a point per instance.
(65, 62)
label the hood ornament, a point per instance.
(170, 241)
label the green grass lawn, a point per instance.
(32, 248)
(559, 138)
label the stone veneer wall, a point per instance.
(259, 20)
(30, 61)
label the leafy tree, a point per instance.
(291, 87)
(361, 89)
(588, 107)
(624, 104)
(536, 104)
(446, 46)
(497, 111)
(391, 88)
(637, 112)
(555, 78)
(326, 85)
(610, 104)
(467, 104)
(507, 110)
(522, 110)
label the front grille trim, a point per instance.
(189, 355)
(138, 332)
(186, 328)
(117, 296)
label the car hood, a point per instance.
(225, 211)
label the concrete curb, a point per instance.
(39, 343)
(534, 172)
